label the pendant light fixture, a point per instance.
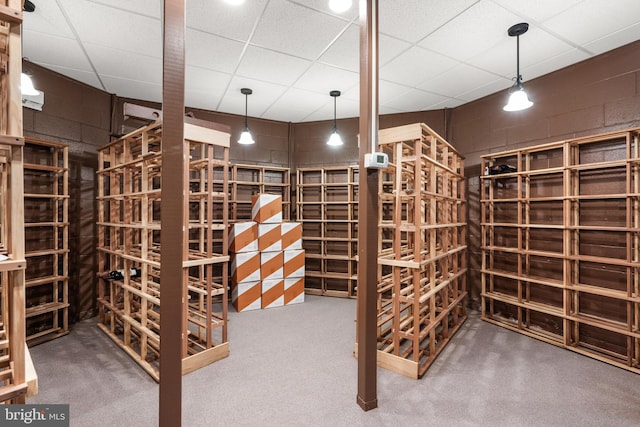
(334, 139)
(245, 136)
(340, 6)
(518, 99)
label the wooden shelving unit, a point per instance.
(560, 246)
(129, 189)
(46, 201)
(327, 207)
(249, 180)
(17, 376)
(422, 287)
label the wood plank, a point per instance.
(204, 358)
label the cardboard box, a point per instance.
(246, 296)
(293, 290)
(243, 237)
(293, 263)
(272, 293)
(266, 208)
(272, 266)
(245, 267)
(269, 237)
(291, 235)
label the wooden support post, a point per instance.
(173, 203)
(368, 206)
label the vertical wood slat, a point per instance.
(422, 289)
(595, 314)
(13, 283)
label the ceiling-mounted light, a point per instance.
(518, 99)
(28, 6)
(340, 6)
(26, 86)
(235, 2)
(334, 139)
(245, 136)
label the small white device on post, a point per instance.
(376, 160)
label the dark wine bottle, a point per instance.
(119, 274)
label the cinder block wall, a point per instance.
(594, 96)
(77, 115)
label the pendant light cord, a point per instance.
(335, 126)
(246, 111)
(518, 76)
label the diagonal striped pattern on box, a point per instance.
(272, 293)
(291, 235)
(293, 263)
(269, 238)
(246, 296)
(266, 208)
(293, 290)
(272, 265)
(243, 237)
(245, 267)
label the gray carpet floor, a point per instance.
(293, 366)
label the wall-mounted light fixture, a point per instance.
(518, 99)
(245, 136)
(334, 139)
(26, 84)
(340, 6)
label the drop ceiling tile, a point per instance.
(322, 79)
(413, 20)
(295, 105)
(296, 30)
(213, 52)
(536, 46)
(221, 18)
(553, 63)
(205, 88)
(386, 90)
(458, 80)
(264, 94)
(117, 63)
(270, 66)
(603, 17)
(447, 103)
(383, 109)
(345, 108)
(538, 10)
(415, 65)
(151, 8)
(415, 100)
(83, 76)
(323, 6)
(54, 50)
(47, 19)
(467, 35)
(614, 39)
(345, 52)
(478, 92)
(114, 28)
(133, 88)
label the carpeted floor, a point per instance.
(293, 366)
